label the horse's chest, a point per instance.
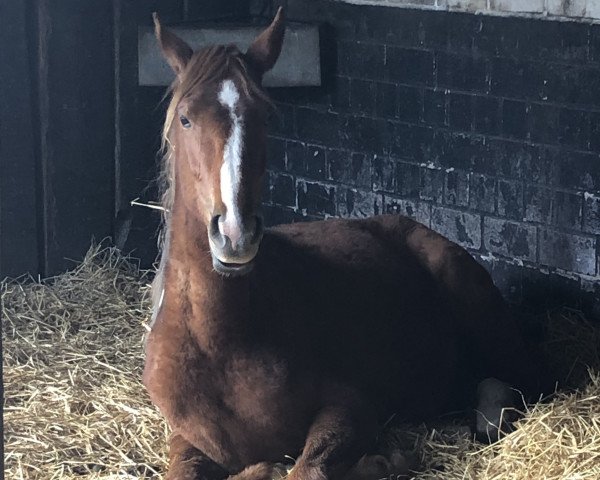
(260, 411)
(255, 388)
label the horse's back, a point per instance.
(396, 292)
(362, 308)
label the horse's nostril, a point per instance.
(233, 235)
(214, 225)
(215, 232)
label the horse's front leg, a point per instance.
(336, 440)
(186, 462)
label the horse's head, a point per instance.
(215, 129)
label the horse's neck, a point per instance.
(214, 308)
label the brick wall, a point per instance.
(487, 129)
(577, 9)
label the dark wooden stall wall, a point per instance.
(18, 221)
(485, 128)
(78, 137)
(139, 112)
(58, 129)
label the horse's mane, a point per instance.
(206, 66)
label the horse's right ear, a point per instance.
(177, 53)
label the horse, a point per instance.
(299, 340)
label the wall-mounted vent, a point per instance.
(298, 65)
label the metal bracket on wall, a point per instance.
(299, 63)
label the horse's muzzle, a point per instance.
(234, 245)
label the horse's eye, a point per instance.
(184, 121)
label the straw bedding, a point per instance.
(75, 407)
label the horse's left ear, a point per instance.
(177, 53)
(265, 49)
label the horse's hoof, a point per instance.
(375, 467)
(495, 412)
(263, 471)
(280, 471)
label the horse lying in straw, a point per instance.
(304, 347)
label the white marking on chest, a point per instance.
(231, 170)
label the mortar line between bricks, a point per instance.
(477, 55)
(482, 247)
(537, 244)
(540, 225)
(271, 203)
(598, 256)
(336, 183)
(332, 183)
(484, 214)
(325, 108)
(409, 161)
(453, 90)
(477, 135)
(482, 136)
(537, 267)
(537, 225)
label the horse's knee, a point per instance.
(186, 462)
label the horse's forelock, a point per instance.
(207, 66)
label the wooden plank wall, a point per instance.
(78, 137)
(19, 247)
(57, 138)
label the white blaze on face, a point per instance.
(231, 170)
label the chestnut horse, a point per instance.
(305, 346)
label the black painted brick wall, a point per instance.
(487, 129)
